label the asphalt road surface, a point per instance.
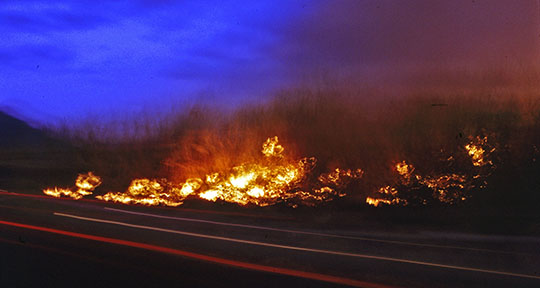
(48, 242)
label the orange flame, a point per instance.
(449, 188)
(272, 179)
(477, 151)
(85, 183)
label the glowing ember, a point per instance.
(477, 151)
(404, 169)
(85, 183)
(340, 177)
(448, 188)
(388, 190)
(377, 201)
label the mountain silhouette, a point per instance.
(15, 133)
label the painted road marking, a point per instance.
(299, 248)
(233, 263)
(310, 233)
(3, 192)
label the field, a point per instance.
(462, 155)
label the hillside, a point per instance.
(29, 158)
(15, 133)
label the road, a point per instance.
(48, 242)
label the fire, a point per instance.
(59, 192)
(340, 177)
(189, 187)
(210, 195)
(272, 179)
(85, 183)
(477, 152)
(272, 148)
(388, 190)
(147, 192)
(256, 183)
(377, 201)
(404, 169)
(448, 188)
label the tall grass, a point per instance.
(428, 119)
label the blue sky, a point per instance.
(71, 59)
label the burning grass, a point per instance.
(430, 146)
(272, 179)
(85, 185)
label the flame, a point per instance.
(259, 184)
(377, 201)
(59, 192)
(85, 183)
(478, 153)
(210, 195)
(404, 169)
(448, 188)
(272, 148)
(340, 177)
(151, 192)
(270, 180)
(275, 178)
(189, 187)
(388, 190)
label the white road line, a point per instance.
(311, 233)
(298, 248)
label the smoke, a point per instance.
(370, 39)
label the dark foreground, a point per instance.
(46, 242)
